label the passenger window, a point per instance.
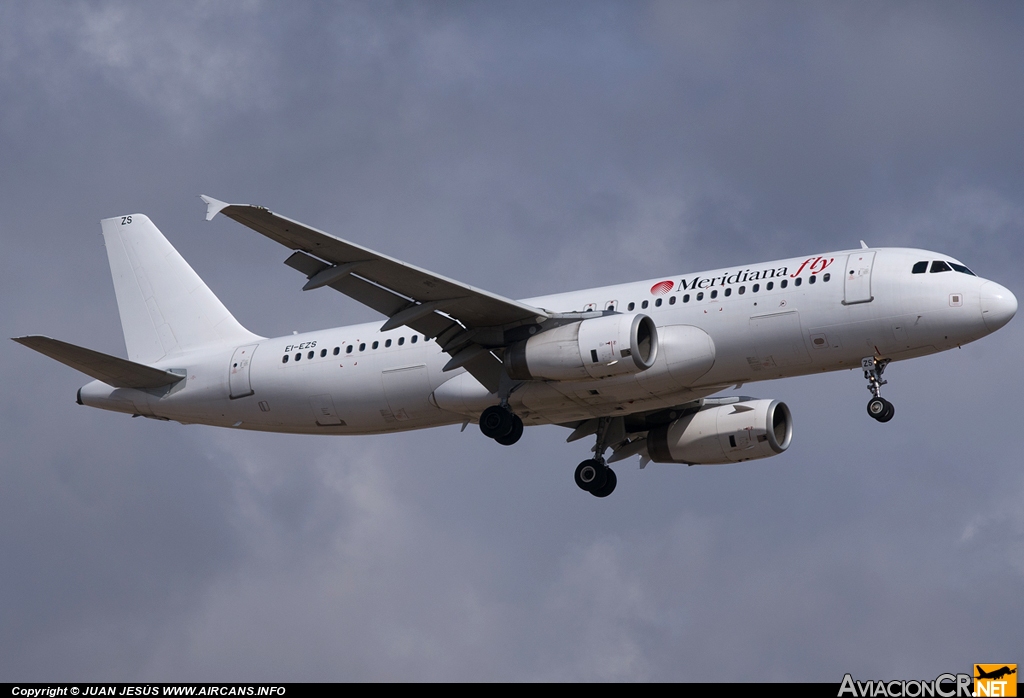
(375, 345)
(387, 343)
(686, 298)
(797, 282)
(812, 279)
(323, 353)
(769, 286)
(714, 294)
(348, 349)
(644, 305)
(401, 341)
(657, 303)
(337, 350)
(938, 266)
(826, 277)
(362, 347)
(412, 340)
(298, 357)
(743, 289)
(784, 283)
(728, 292)
(631, 306)
(700, 296)
(672, 300)
(284, 359)
(920, 268)
(756, 288)
(309, 355)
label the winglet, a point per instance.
(864, 245)
(213, 206)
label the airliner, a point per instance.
(634, 366)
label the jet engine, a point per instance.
(724, 434)
(596, 348)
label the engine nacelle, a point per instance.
(725, 434)
(596, 348)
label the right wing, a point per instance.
(467, 322)
(119, 373)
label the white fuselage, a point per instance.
(784, 318)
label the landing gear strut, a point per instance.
(879, 408)
(594, 475)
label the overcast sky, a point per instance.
(525, 148)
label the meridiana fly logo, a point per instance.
(662, 287)
(995, 680)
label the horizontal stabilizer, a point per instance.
(119, 373)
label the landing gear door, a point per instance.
(858, 277)
(238, 378)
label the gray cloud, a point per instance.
(526, 149)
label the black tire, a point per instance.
(514, 435)
(591, 475)
(609, 484)
(876, 408)
(888, 413)
(496, 421)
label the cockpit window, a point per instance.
(938, 266)
(961, 268)
(921, 267)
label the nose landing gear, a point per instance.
(879, 408)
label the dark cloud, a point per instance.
(524, 148)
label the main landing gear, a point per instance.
(594, 475)
(498, 422)
(878, 407)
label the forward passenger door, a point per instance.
(857, 280)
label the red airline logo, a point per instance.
(818, 264)
(662, 287)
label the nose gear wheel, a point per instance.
(879, 408)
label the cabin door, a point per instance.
(238, 378)
(858, 277)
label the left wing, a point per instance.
(466, 321)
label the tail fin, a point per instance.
(165, 307)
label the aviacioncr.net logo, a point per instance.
(944, 686)
(995, 680)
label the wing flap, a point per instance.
(112, 370)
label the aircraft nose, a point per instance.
(998, 305)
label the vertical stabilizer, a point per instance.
(165, 307)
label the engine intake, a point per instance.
(724, 434)
(596, 348)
